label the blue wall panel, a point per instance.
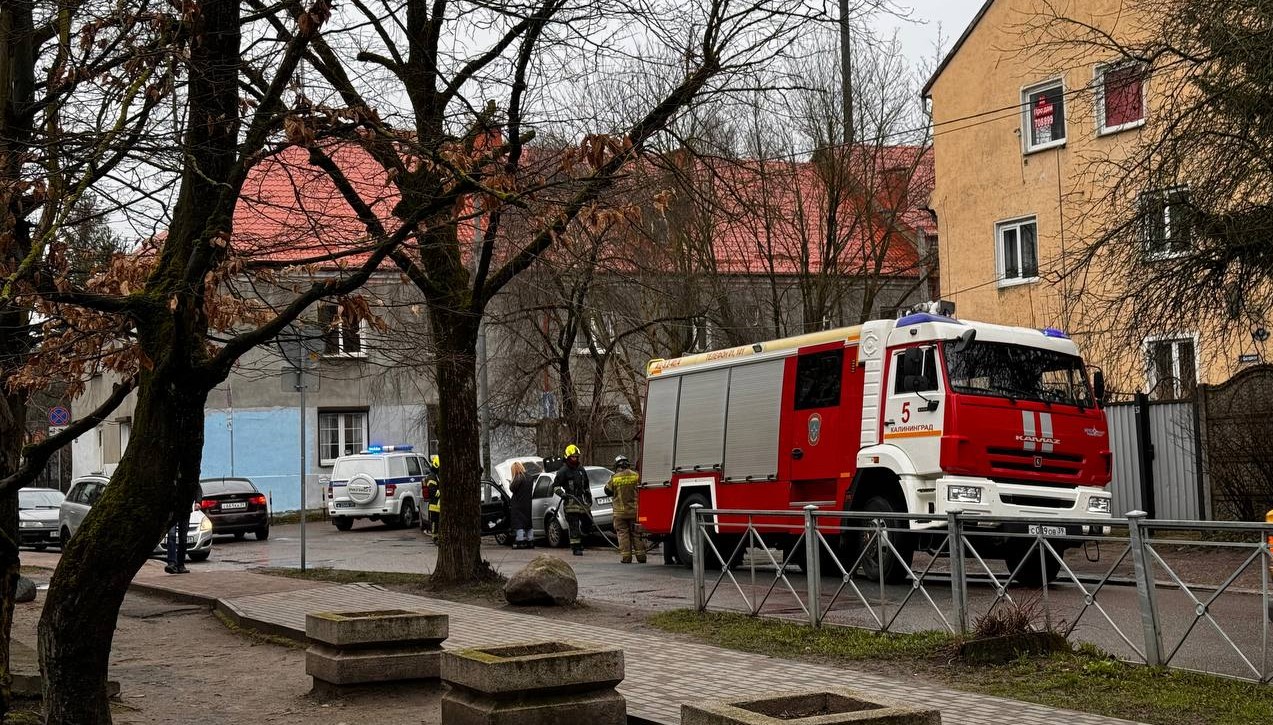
(265, 449)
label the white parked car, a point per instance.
(548, 517)
(383, 483)
(86, 490)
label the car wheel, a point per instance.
(407, 518)
(199, 555)
(263, 533)
(240, 535)
(343, 523)
(66, 536)
(556, 536)
(894, 571)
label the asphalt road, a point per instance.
(371, 546)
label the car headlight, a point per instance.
(29, 524)
(964, 494)
(206, 524)
(1098, 505)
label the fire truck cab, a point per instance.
(924, 414)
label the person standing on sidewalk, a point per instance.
(521, 486)
(622, 490)
(178, 532)
(571, 484)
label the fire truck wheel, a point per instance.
(683, 531)
(894, 571)
(1031, 574)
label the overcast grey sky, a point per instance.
(919, 33)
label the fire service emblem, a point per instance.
(1038, 461)
(815, 429)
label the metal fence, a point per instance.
(1136, 598)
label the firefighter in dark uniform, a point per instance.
(435, 500)
(571, 484)
(623, 492)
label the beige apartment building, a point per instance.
(1021, 130)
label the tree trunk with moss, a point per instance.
(158, 473)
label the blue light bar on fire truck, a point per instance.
(917, 318)
(389, 449)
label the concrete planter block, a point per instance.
(375, 629)
(354, 648)
(809, 707)
(535, 683)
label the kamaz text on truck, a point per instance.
(925, 414)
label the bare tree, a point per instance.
(1174, 235)
(502, 210)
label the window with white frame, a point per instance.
(699, 334)
(1172, 367)
(1167, 228)
(1017, 250)
(340, 433)
(593, 333)
(1043, 115)
(342, 331)
(1120, 97)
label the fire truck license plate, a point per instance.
(1048, 530)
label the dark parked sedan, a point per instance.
(235, 507)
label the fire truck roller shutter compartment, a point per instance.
(660, 430)
(700, 423)
(751, 428)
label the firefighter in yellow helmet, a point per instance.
(435, 499)
(571, 484)
(622, 489)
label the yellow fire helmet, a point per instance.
(572, 450)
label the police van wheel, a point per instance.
(407, 518)
(343, 523)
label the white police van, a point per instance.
(383, 483)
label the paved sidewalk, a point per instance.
(661, 673)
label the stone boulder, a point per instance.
(25, 590)
(545, 580)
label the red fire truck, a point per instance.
(924, 414)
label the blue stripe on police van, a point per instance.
(381, 482)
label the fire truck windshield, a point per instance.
(1017, 372)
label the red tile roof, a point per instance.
(291, 211)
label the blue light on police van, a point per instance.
(1053, 332)
(376, 448)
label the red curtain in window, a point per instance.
(1123, 100)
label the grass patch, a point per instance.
(1087, 680)
(294, 517)
(256, 636)
(349, 576)
(791, 639)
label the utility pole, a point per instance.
(483, 401)
(846, 73)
